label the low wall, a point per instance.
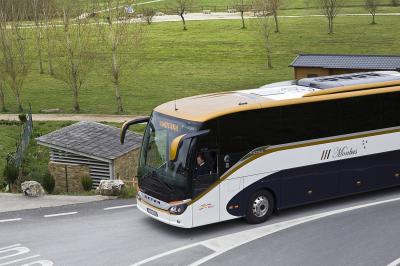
(68, 176)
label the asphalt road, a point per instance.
(357, 230)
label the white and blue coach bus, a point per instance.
(216, 157)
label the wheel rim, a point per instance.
(260, 206)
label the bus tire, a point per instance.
(259, 207)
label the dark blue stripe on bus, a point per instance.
(302, 185)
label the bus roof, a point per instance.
(209, 106)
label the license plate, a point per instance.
(154, 213)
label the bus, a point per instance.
(220, 156)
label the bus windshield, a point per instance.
(155, 164)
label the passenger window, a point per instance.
(391, 109)
(361, 113)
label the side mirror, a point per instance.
(127, 124)
(177, 143)
(175, 146)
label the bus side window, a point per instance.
(391, 109)
(310, 121)
(361, 113)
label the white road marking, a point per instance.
(59, 214)
(13, 251)
(17, 250)
(120, 207)
(18, 260)
(228, 242)
(40, 262)
(8, 247)
(165, 254)
(10, 220)
(395, 263)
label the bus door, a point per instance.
(205, 176)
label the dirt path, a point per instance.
(72, 117)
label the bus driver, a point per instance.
(202, 167)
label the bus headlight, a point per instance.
(178, 209)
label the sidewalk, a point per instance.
(72, 117)
(16, 202)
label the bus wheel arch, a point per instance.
(260, 206)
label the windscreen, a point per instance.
(155, 162)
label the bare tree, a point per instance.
(148, 14)
(372, 7)
(14, 66)
(38, 32)
(274, 6)
(182, 7)
(120, 36)
(75, 50)
(264, 28)
(330, 9)
(241, 6)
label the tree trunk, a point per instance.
(39, 47)
(276, 22)
(49, 53)
(118, 98)
(330, 25)
(183, 21)
(269, 57)
(373, 19)
(243, 23)
(18, 99)
(2, 100)
(115, 70)
(75, 100)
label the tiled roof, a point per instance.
(337, 61)
(92, 139)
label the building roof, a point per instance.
(91, 139)
(341, 61)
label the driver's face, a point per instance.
(199, 160)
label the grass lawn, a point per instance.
(211, 56)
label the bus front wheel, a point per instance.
(260, 207)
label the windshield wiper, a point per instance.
(154, 176)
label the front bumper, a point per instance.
(184, 220)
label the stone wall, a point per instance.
(125, 167)
(74, 174)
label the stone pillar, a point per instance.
(125, 167)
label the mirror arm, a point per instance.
(127, 124)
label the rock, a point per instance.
(110, 187)
(32, 189)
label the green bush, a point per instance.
(87, 183)
(3, 184)
(127, 192)
(22, 118)
(11, 173)
(48, 183)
